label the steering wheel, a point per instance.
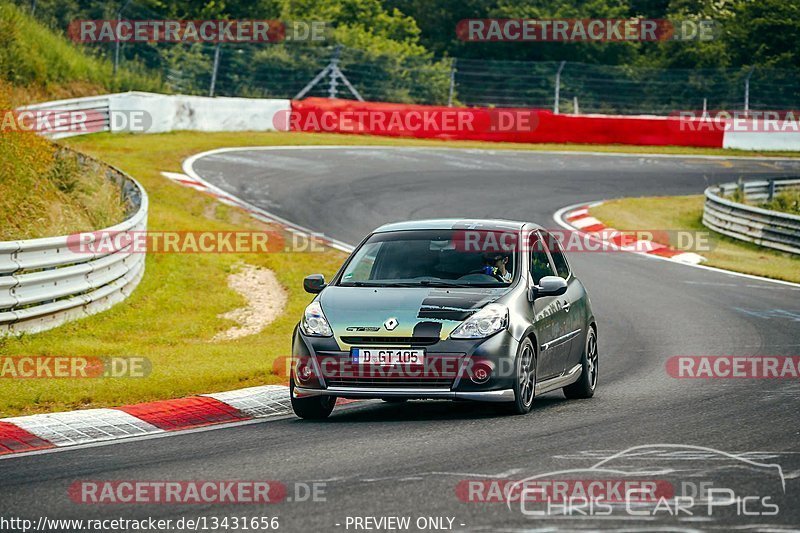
(482, 272)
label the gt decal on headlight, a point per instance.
(487, 321)
(314, 322)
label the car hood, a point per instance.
(419, 311)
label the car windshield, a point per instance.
(447, 258)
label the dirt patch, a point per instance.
(265, 297)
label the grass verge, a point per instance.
(686, 213)
(46, 191)
(42, 65)
(174, 313)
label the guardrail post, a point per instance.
(771, 190)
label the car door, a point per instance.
(572, 304)
(548, 313)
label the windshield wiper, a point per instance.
(427, 283)
(419, 283)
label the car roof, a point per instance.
(458, 223)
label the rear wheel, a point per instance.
(525, 382)
(312, 407)
(587, 383)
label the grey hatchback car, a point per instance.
(460, 309)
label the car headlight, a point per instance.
(487, 321)
(314, 322)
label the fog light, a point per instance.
(304, 372)
(480, 373)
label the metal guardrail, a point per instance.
(97, 109)
(46, 282)
(772, 229)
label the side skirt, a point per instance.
(558, 382)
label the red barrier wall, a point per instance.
(491, 124)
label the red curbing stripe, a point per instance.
(185, 413)
(620, 239)
(581, 212)
(665, 252)
(593, 228)
(14, 439)
(190, 182)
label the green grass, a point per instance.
(42, 64)
(685, 213)
(173, 314)
(53, 195)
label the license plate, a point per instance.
(387, 356)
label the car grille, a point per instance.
(438, 383)
(389, 341)
(440, 372)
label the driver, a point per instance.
(495, 265)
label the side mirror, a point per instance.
(549, 286)
(314, 283)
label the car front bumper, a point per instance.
(502, 395)
(498, 351)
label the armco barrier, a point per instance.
(158, 113)
(772, 229)
(95, 116)
(46, 282)
(489, 124)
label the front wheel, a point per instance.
(587, 383)
(525, 382)
(312, 407)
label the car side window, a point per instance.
(540, 263)
(562, 267)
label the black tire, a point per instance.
(525, 382)
(587, 383)
(312, 407)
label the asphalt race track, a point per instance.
(407, 460)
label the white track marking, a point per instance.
(79, 427)
(265, 400)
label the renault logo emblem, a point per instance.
(390, 324)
